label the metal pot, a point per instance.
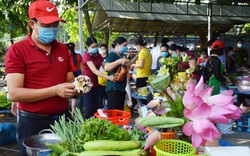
(35, 145)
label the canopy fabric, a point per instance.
(120, 16)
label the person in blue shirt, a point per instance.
(116, 90)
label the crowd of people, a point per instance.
(40, 71)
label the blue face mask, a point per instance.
(124, 49)
(46, 34)
(164, 54)
(232, 53)
(136, 49)
(174, 55)
(239, 45)
(93, 50)
(203, 55)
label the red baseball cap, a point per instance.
(217, 45)
(44, 11)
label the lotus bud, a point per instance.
(161, 83)
(153, 103)
(150, 113)
(162, 111)
(153, 138)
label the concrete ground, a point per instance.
(236, 139)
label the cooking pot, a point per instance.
(35, 145)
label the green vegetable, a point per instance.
(4, 101)
(166, 126)
(99, 129)
(74, 134)
(57, 148)
(111, 145)
(68, 132)
(136, 152)
(160, 122)
(138, 135)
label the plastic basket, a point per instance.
(174, 148)
(116, 116)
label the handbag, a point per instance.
(121, 73)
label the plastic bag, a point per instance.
(7, 133)
(128, 99)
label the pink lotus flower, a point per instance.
(203, 110)
(200, 127)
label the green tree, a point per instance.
(13, 18)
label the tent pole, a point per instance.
(81, 44)
(185, 39)
(209, 35)
(110, 35)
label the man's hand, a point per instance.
(65, 90)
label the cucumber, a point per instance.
(135, 152)
(110, 145)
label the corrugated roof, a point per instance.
(168, 18)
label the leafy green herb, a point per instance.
(68, 132)
(138, 135)
(5, 103)
(99, 129)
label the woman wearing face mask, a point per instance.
(172, 50)
(91, 63)
(201, 64)
(240, 56)
(102, 81)
(116, 90)
(177, 51)
(203, 58)
(143, 63)
(164, 53)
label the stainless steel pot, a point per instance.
(35, 145)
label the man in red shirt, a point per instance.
(39, 73)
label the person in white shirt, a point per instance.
(156, 52)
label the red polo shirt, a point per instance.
(76, 67)
(97, 60)
(41, 70)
